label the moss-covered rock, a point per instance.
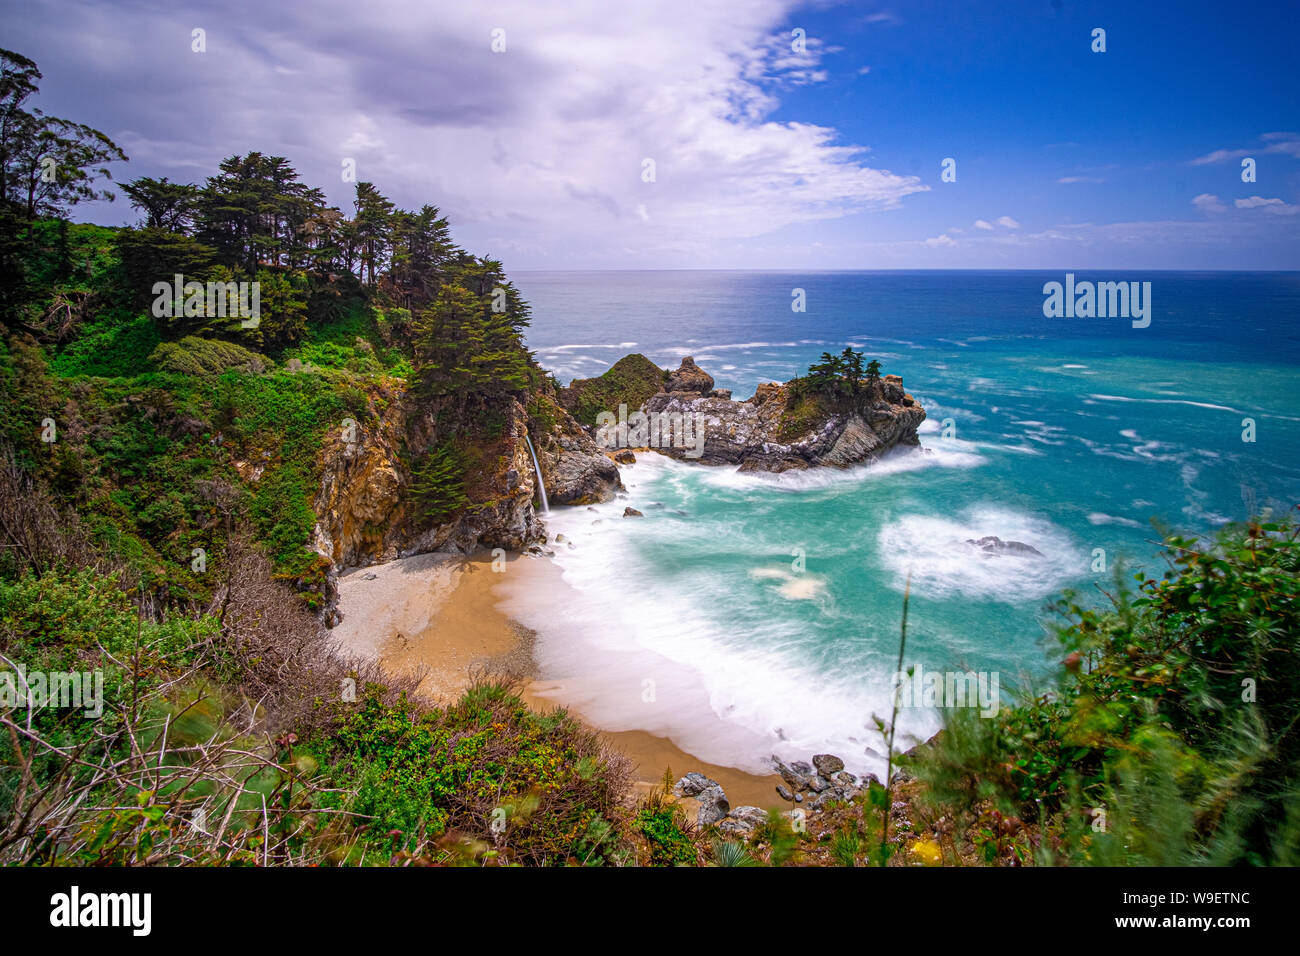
(630, 381)
(196, 356)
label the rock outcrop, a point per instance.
(992, 544)
(781, 429)
(366, 512)
(364, 508)
(689, 378)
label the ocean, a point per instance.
(751, 614)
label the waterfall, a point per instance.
(541, 485)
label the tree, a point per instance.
(873, 371)
(254, 210)
(373, 224)
(46, 163)
(166, 205)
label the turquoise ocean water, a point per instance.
(1068, 434)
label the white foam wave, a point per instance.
(933, 550)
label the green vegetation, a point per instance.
(541, 788)
(629, 381)
(1172, 737)
(834, 384)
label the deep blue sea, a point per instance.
(702, 621)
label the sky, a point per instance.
(787, 136)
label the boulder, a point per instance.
(745, 819)
(827, 764)
(713, 806)
(693, 784)
(632, 513)
(992, 544)
(689, 377)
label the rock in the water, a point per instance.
(625, 457)
(689, 377)
(846, 779)
(828, 764)
(992, 544)
(632, 513)
(784, 793)
(817, 783)
(778, 430)
(577, 473)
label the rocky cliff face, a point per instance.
(364, 506)
(778, 430)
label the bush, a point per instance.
(196, 356)
(540, 788)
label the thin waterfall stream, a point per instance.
(541, 485)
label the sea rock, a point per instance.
(775, 430)
(577, 472)
(625, 457)
(827, 764)
(784, 793)
(632, 513)
(817, 783)
(846, 779)
(991, 544)
(689, 377)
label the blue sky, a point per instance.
(766, 155)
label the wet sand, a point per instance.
(437, 617)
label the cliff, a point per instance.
(366, 508)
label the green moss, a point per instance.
(630, 381)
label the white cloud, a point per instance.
(1008, 222)
(541, 144)
(1209, 203)
(1285, 143)
(1275, 206)
(1080, 179)
(982, 224)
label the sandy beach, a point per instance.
(437, 617)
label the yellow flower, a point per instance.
(928, 852)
